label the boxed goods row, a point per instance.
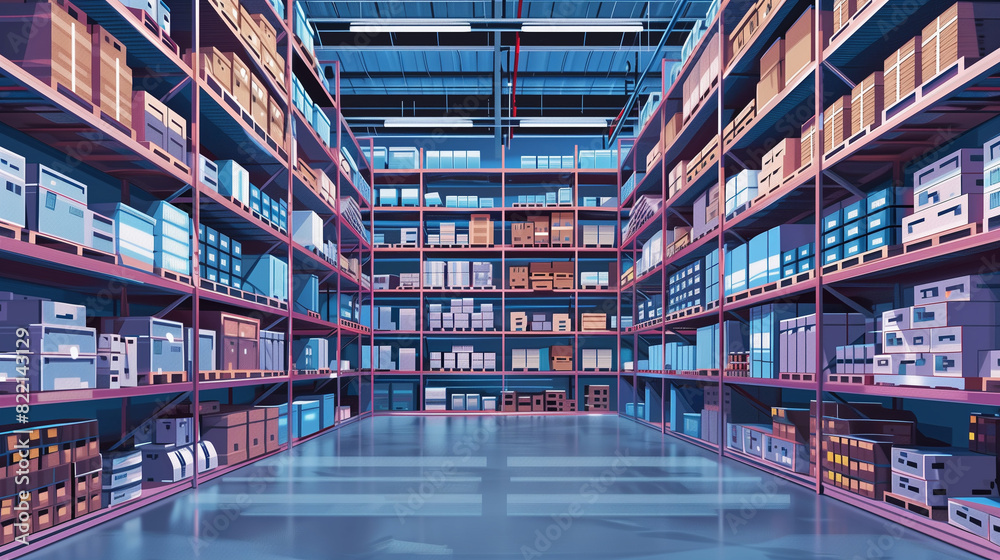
(436, 398)
(769, 257)
(461, 315)
(552, 400)
(232, 77)
(542, 276)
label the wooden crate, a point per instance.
(867, 103)
(518, 321)
(842, 12)
(807, 143)
(111, 76)
(902, 71)
(481, 230)
(594, 321)
(671, 130)
(837, 123)
(562, 229)
(962, 31)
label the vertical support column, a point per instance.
(289, 331)
(818, 210)
(195, 244)
(723, 355)
(497, 93)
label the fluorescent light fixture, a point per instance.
(582, 28)
(428, 122)
(386, 27)
(562, 122)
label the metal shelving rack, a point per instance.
(964, 100)
(81, 141)
(501, 253)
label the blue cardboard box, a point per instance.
(832, 220)
(887, 217)
(234, 181)
(266, 275)
(789, 257)
(833, 238)
(833, 255)
(885, 237)
(889, 197)
(855, 247)
(306, 287)
(854, 211)
(806, 265)
(806, 250)
(305, 416)
(855, 230)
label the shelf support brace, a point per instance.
(684, 337)
(274, 324)
(177, 89)
(166, 310)
(753, 400)
(178, 193)
(738, 161)
(836, 71)
(163, 410)
(849, 302)
(266, 394)
(679, 216)
(844, 184)
(270, 180)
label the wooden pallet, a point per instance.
(596, 246)
(957, 68)
(707, 372)
(684, 313)
(242, 294)
(943, 237)
(913, 506)
(353, 325)
(851, 378)
(313, 314)
(766, 288)
(11, 231)
(863, 258)
(167, 158)
(528, 205)
(44, 240)
(737, 373)
(322, 372)
(803, 377)
(171, 275)
(222, 375)
(163, 378)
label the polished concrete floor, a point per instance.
(582, 487)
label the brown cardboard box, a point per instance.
(518, 278)
(541, 230)
(807, 145)
(962, 31)
(842, 12)
(276, 125)
(522, 234)
(249, 32)
(240, 84)
(57, 47)
(837, 123)
(215, 63)
(256, 439)
(780, 162)
(111, 77)
(229, 441)
(903, 71)
(742, 33)
(671, 130)
(266, 32)
(772, 57)
(224, 420)
(271, 433)
(562, 229)
(481, 230)
(867, 103)
(258, 102)
(800, 48)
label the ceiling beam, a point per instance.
(321, 51)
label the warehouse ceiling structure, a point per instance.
(495, 68)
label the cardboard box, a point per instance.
(800, 46)
(772, 73)
(867, 103)
(239, 86)
(837, 123)
(807, 144)
(276, 123)
(902, 71)
(58, 49)
(111, 76)
(962, 31)
(842, 12)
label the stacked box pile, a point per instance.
(310, 354)
(168, 450)
(600, 201)
(705, 213)
(766, 344)
(307, 231)
(932, 476)
(472, 402)
(461, 315)
(707, 340)
(741, 121)
(644, 210)
(172, 238)
(597, 359)
(451, 201)
(856, 451)
(854, 227)
(540, 322)
(351, 213)
(303, 31)
(680, 356)
(543, 276)
(704, 160)
(598, 159)
(381, 358)
(160, 345)
(597, 397)
(63, 480)
(53, 204)
(963, 31)
(947, 194)
(651, 253)
(765, 252)
(407, 318)
(649, 308)
(547, 162)
(686, 288)
(12, 199)
(592, 279)
(240, 433)
(551, 400)
(61, 350)
(716, 404)
(741, 189)
(459, 159)
(777, 165)
(117, 361)
(703, 75)
(797, 341)
(158, 127)
(220, 257)
(991, 184)
(272, 351)
(464, 358)
(948, 335)
(798, 260)
(808, 143)
(266, 275)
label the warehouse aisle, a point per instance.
(499, 487)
